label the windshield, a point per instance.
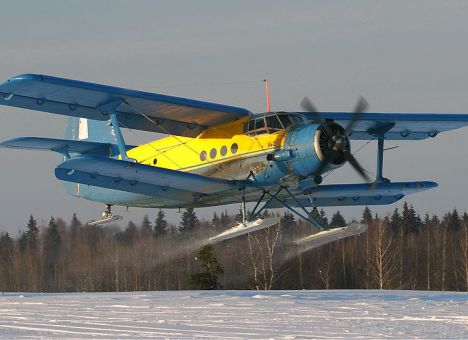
(272, 122)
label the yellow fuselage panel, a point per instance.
(214, 148)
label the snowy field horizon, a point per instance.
(236, 314)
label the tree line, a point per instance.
(400, 251)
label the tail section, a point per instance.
(89, 130)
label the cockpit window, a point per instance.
(260, 126)
(251, 125)
(285, 120)
(259, 123)
(273, 123)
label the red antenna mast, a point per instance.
(267, 94)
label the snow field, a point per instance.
(236, 314)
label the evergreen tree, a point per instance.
(208, 278)
(146, 228)
(75, 226)
(22, 241)
(225, 220)
(6, 248)
(395, 221)
(367, 216)
(32, 233)
(337, 221)
(160, 225)
(129, 235)
(189, 222)
(324, 218)
(453, 220)
(51, 249)
(427, 219)
(287, 221)
(409, 220)
(320, 216)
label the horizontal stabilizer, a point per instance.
(62, 146)
(245, 228)
(331, 235)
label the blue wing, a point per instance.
(400, 126)
(138, 178)
(63, 146)
(138, 110)
(326, 195)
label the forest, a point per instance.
(400, 251)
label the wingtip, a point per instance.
(431, 185)
(26, 76)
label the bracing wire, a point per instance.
(159, 152)
(163, 129)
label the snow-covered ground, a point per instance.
(236, 314)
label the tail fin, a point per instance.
(90, 130)
(83, 129)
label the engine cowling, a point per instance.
(310, 144)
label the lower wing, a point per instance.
(357, 194)
(141, 179)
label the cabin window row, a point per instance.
(222, 152)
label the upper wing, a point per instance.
(401, 126)
(137, 110)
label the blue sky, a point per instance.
(403, 56)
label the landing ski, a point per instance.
(105, 220)
(331, 235)
(245, 228)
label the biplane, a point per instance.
(216, 154)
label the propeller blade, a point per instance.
(307, 105)
(361, 107)
(355, 164)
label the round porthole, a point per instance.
(234, 148)
(203, 156)
(155, 161)
(223, 150)
(213, 153)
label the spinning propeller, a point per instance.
(334, 139)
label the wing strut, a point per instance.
(379, 132)
(110, 109)
(303, 213)
(253, 222)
